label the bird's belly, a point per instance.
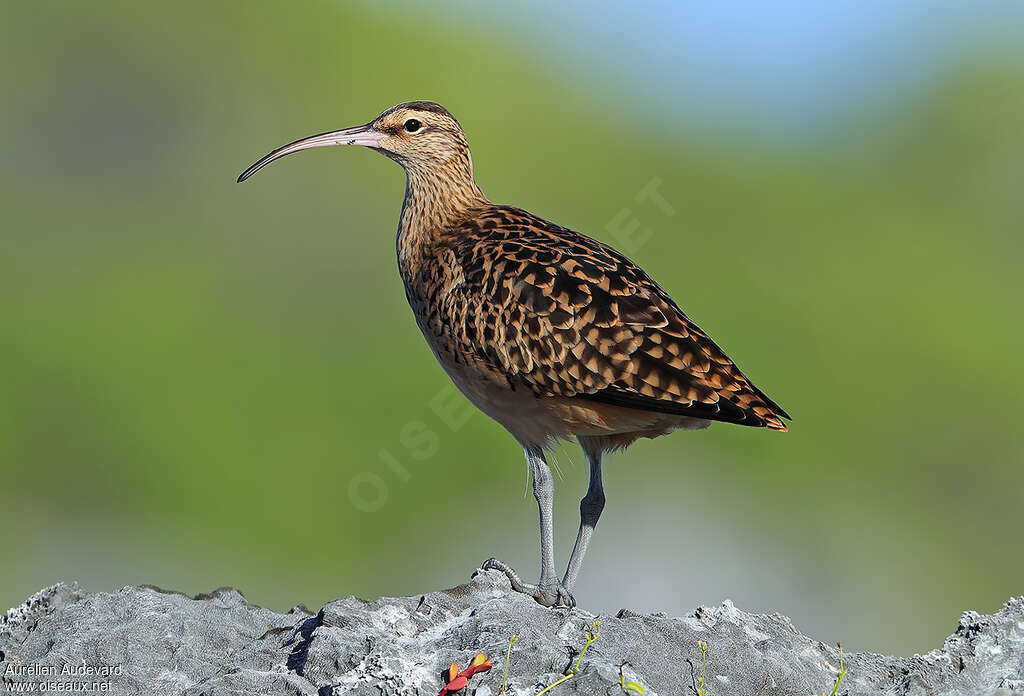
(541, 420)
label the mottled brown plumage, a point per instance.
(551, 333)
(538, 306)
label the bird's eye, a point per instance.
(412, 125)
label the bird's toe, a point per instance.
(552, 594)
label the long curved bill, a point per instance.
(360, 135)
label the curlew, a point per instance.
(552, 334)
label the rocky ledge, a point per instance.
(144, 640)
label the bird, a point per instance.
(549, 332)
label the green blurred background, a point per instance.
(208, 384)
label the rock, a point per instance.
(144, 640)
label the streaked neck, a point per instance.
(438, 195)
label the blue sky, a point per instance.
(782, 68)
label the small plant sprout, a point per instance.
(840, 674)
(508, 656)
(457, 680)
(702, 689)
(629, 687)
(591, 635)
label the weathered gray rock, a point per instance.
(159, 642)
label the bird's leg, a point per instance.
(548, 591)
(590, 510)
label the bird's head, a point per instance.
(420, 135)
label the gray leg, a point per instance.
(590, 510)
(544, 492)
(548, 591)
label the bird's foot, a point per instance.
(549, 594)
